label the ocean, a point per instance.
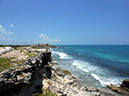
(94, 65)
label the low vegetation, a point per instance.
(45, 92)
(30, 54)
(5, 64)
(65, 71)
(18, 61)
(36, 51)
(38, 46)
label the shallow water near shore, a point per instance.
(96, 65)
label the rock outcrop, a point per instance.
(3, 50)
(64, 84)
(122, 89)
(26, 79)
(114, 88)
(125, 83)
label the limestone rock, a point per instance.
(114, 88)
(125, 83)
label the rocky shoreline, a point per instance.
(36, 75)
(67, 85)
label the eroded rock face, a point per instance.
(114, 88)
(125, 83)
(123, 89)
(26, 79)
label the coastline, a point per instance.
(37, 78)
(94, 63)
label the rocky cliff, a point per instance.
(27, 78)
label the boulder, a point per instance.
(114, 88)
(125, 83)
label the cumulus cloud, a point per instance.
(45, 39)
(11, 25)
(4, 31)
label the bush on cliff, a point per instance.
(64, 71)
(45, 92)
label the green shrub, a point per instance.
(30, 54)
(67, 72)
(45, 92)
(36, 51)
(64, 71)
(5, 64)
(19, 61)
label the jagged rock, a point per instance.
(89, 89)
(26, 80)
(125, 83)
(60, 73)
(114, 88)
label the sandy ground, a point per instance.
(15, 53)
(20, 53)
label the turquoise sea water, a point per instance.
(95, 65)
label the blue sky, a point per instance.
(67, 22)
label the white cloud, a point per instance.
(4, 31)
(5, 36)
(10, 33)
(45, 39)
(11, 25)
(1, 26)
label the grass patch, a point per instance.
(45, 92)
(5, 64)
(36, 51)
(30, 54)
(19, 61)
(12, 58)
(67, 72)
(64, 71)
(17, 48)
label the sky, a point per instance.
(64, 22)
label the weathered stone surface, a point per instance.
(125, 83)
(114, 88)
(122, 89)
(60, 73)
(27, 79)
(69, 85)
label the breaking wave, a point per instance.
(62, 55)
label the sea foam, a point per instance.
(84, 66)
(107, 81)
(62, 55)
(93, 70)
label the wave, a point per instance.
(84, 66)
(62, 55)
(102, 75)
(106, 80)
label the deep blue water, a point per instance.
(95, 65)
